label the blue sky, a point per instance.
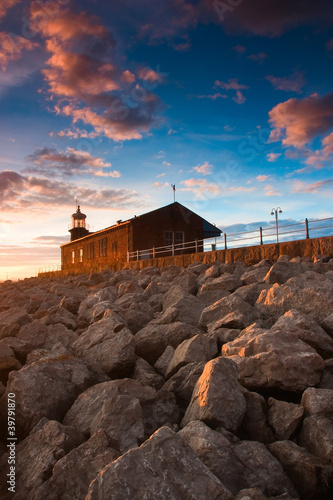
(232, 101)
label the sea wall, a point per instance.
(249, 255)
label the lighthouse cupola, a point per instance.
(78, 227)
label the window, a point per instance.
(114, 247)
(168, 238)
(81, 255)
(91, 251)
(179, 239)
(73, 257)
(103, 247)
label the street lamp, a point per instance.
(276, 212)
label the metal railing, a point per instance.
(258, 236)
(48, 269)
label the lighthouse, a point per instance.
(78, 227)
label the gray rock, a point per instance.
(226, 282)
(182, 383)
(245, 464)
(312, 477)
(317, 436)
(189, 307)
(163, 467)
(285, 418)
(152, 340)
(225, 306)
(194, 350)
(109, 344)
(327, 324)
(318, 401)
(255, 423)
(280, 272)
(255, 274)
(59, 315)
(217, 397)
(274, 359)
(146, 375)
(163, 361)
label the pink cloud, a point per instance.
(275, 17)
(201, 187)
(262, 178)
(205, 169)
(231, 85)
(259, 57)
(293, 83)
(5, 5)
(298, 121)
(273, 156)
(239, 97)
(302, 187)
(213, 97)
(240, 49)
(12, 46)
(90, 87)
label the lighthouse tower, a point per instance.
(78, 227)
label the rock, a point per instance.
(250, 293)
(312, 293)
(137, 319)
(152, 340)
(108, 343)
(146, 375)
(60, 315)
(163, 361)
(227, 282)
(156, 302)
(224, 307)
(37, 335)
(317, 436)
(274, 359)
(163, 467)
(318, 401)
(251, 494)
(12, 320)
(327, 324)
(222, 335)
(285, 418)
(87, 307)
(124, 409)
(128, 287)
(196, 349)
(280, 272)
(211, 296)
(312, 477)
(187, 280)
(189, 307)
(255, 423)
(245, 464)
(255, 275)
(73, 473)
(46, 388)
(217, 397)
(8, 362)
(37, 454)
(307, 330)
(182, 383)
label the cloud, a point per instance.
(213, 97)
(298, 121)
(160, 185)
(90, 86)
(205, 169)
(293, 83)
(319, 158)
(259, 57)
(38, 194)
(240, 49)
(201, 188)
(71, 162)
(5, 5)
(233, 84)
(262, 178)
(275, 17)
(161, 175)
(150, 75)
(270, 191)
(272, 156)
(12, 46)
(302, 187)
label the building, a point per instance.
(162, 232)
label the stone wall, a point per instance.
(250, 255)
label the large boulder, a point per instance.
(312, 476)
(182, 383)
(255, 424)
(244, 464)
(188, 306)
(274, 359)
(227, 282)
(38, 335)
(225, 306)
(285, 418)
(217, 397)
(280, 272)
(73, 473)
(307, 330)
(109, 343)
(37, 455)
(46, 388)
(312, 292)
(11, 320)
(163, 467)
(152, 340)
(196, 349)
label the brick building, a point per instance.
(164, 231)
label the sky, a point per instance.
(110, 103)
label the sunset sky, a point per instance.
(112, 102)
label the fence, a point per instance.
(48, 269)
(306, 229)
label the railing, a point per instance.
(233, 240)
(48, 269)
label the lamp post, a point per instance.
(276, 212)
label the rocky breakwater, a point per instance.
(211, 382)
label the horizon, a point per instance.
(113, 104)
